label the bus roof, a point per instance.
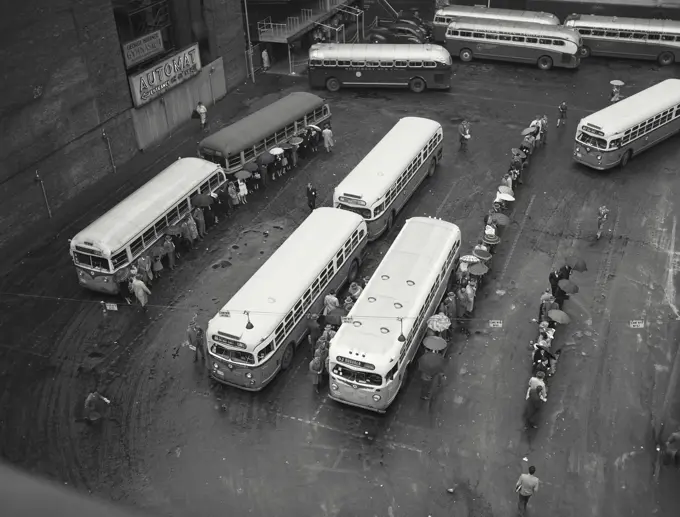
(257, 126)
(381, 167)
(282, 280)
(617, 118)
(479, 11)
(513, 27)
(113, 230)
(417, 255)
(377, 52)
(616, 23)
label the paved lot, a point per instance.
(179, 445)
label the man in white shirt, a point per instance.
(526, 486)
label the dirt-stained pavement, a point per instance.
(178, 445)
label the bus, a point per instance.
(667, 9)
(127, 231)
(445, 16)
(379, 187)
(417, 67)
(242, 142)
(614, 135)
(631, 38)
(520, 42)
(255, 334)
(370, 353)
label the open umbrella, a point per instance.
(518, 152)
(470, 259)
(504, 189)
(500, 219)
(173, 230)
(492, 240)
(577, 264)
(276, 151)
(431, 364)
(568, 286)
(335, 317)
(482, 255)
(265, 158)
(435, 343)
(528, 131)
(158, 251)
(315, 128)
(241, 175)
(251, 167)
(616, 82)
(505, 197)
(558, 316)
(202, 200)
(478, 269)
(438, 322)
(286, 146)
(296, 140)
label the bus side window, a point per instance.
(615, 144)
(492, 36)
(339, 258)
(387, 64)
(466, 34)
(343, 62)
(503, 37)
(545, 41)
(329, 62)
(667, 37)
(638, 35)
(374, 64)
(625, 35)
(478, 35)
(653, 37)
(532, 40)
(400, 64)
(585, 32)
(454, 33)
(315, 62)
(119, 259)
(518, 39)
(558, 42)
(598, 33)
(249, 154)
(612, 34)
(415, 64)
(390, 375)
(358, 63)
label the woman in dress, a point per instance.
(242, 192)
(233, 194)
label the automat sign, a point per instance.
(173, 71)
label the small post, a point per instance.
(291, 69)
(212, 93)
(42, 186)
(108, 146)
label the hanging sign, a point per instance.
(141, 49)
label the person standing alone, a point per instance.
(202, 114)
(562, 115)
(526, 486)
(311, 196)
(464, 134)
(328, 141)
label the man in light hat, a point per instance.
(355, 290)
(349, 303)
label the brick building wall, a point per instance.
(224, 20)
(63, 81)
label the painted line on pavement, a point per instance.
(519, 234)
(517, 101)
(321, 406)
(669, 288)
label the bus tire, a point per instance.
(353, 271)
(626, 158)
(545, 62)
(666, 58)
(417, 85)
(584, 51)
(332, 84)
(287, 357)
(390, 221)
(431, 169)
(465, 55)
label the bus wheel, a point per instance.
(353, 271)
(666, 58)
(332, 84)
(584, 51)
(625, 158)
(545, 63)
(417, 85)
(465, 55)
(390, 222)
(432, 168)
(287, 356)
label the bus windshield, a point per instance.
(586, 139)
(238, 356)
(372, 379)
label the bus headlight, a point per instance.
(376, 397)
(599, 156)
(216, 366)
(249, 375)
(252, 382)
(334, 387)
(106, 280)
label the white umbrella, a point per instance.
(316, 128)
(505, 197)
(616, 82)
(470, 259)
(438, 322)
(276, 151)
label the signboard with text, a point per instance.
(141, 49)
(173, 71)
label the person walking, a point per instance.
(197, 214)
(526, 486)
(534, 382)
(615, 96)
(464, 134)
(196, 338)
(311, 196)
(266, 63)
(328, 141)
(554, 278)
(533, 407)
(242, 192)
(202, 115)
(330, 302)
(313, 331)
(562, 114)
(602, 215)
(141, 291)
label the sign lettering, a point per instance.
(496, 324)
(141, 49)
(637, 324)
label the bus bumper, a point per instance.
(597, 166)
(247, 386)
(100, 284)
(357, 405)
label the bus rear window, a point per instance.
(91, 261)
(372, 379)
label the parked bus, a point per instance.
(379, 187)
(242, 142)
(668, 9)
(445, 16)
(255, 334)
(543, 45)
(120, 236)
(613, 135)
(418, 67)
(370, 354)
(631, 38)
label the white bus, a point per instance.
(120, 236)
(382, 183)
(373, 348)
(631, 38)
(255, 334)
(613, 135)
(443, 17)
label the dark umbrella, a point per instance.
(173, 230)
(158, 251)
(478, 269)
(568, 286)
(335, 317)
(431, 364)
(251, 167)
(560, 317)
(286, 146)
(577, 264)
(500, 219)
(435, 343)
(202, 200)
(265, 158)
(242, 174)
(481, 254)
